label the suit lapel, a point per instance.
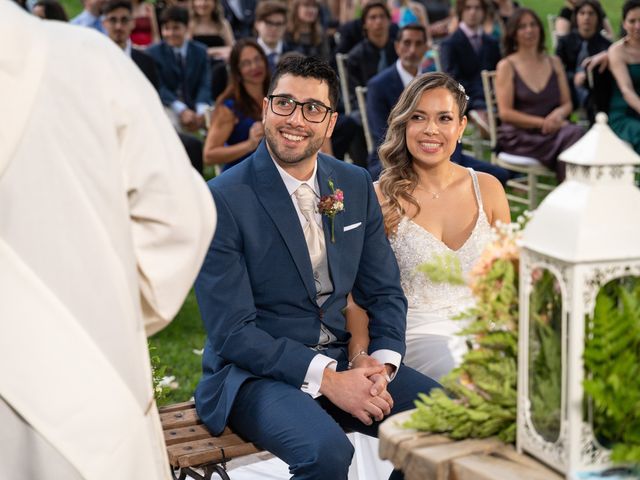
(276, 200)
(325, 173)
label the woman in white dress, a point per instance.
(432, 207)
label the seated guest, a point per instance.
(383, 92)
(467, 52)
(564, 21)
(576, 49)
(90, 15)
(49, 10)
(533, 96)
(271, 25)
(236, 129)
(209, 27)
(351, 33)
(624, 63)
(240, 15)
(502, 10)
(117, 19)
(183, 67)
(375, 52)
(145, 30)
(305, 33)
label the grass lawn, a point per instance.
(175, 345)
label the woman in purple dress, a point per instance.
(533, 96)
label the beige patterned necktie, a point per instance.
(314, 236)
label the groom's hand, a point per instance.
(350, 391)
(380, 380)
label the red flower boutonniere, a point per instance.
(331, 205)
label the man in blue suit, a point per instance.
(184, 73)
(274, 286)
(383, 92)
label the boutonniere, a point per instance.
(331, 205)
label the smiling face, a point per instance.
(632, 23)
(434, 128)
(292, 139)
(251, 66)
(174, 33)
(203, 8)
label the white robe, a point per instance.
(103, 227)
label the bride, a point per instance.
(431, 207)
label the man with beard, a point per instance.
(298, 231)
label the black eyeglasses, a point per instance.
(115, 20)
(313, 112)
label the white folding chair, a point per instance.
(531, 188)
(341, 62)
(361, 97)
(551, 26)
(436, 57)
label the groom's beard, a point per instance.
(291, 158)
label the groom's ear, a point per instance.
(265, 105)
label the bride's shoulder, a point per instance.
(494, 198)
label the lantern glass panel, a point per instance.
(612, 359)
(545, 355)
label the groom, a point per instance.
(274, 285)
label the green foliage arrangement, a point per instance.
(157, 374)
(612, 360)
(483, 388)
(444, 269)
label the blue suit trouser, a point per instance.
(308, 434)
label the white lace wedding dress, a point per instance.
(433, 347)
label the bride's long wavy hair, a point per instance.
(398, 179)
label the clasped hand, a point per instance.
(361, 391)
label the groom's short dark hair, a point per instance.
(308, 67)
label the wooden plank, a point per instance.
(189, 434)
(434, 462)
(490, 467)
(177, 406)
(209, 450)
(178, 419)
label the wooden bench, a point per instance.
(190, 445)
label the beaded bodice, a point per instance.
(414, 246)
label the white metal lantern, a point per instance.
(583, 235)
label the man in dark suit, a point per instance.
(577, 49)
(375, 52)
(271, 25)
(275, 282)
(117, 19)
(467, 52)
(240, 14)
(183, 66)
(383, 92)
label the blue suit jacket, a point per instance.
(197, 71)
(256, 289)
(461, 61)
(383, 92)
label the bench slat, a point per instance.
(207, 450)
(189, 434)
(179, 419)
(177, 406)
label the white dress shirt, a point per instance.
(315, 371)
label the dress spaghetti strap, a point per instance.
(476, 188)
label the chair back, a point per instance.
(551, 26)
(361, 96)
(488, 86)
(341, 63)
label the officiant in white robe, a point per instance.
(103, 227)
